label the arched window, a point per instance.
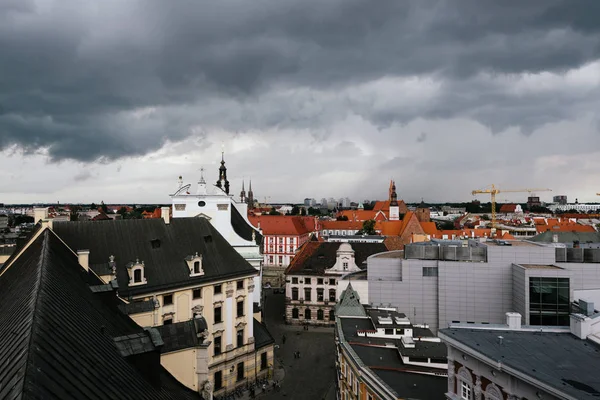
(332, 315)
(465, 384)
(320, 315)
(196, 267)
(307, 314)
(492, 392)
(295, 313)
(137, 275)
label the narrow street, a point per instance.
(312, 376)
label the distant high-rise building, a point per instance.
(560, 199)
(324, 202)
(309, 202)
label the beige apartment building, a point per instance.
(181, 276)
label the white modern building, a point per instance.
(477, 283)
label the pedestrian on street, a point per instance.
(283, 339)
(298, 353)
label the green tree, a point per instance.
(303, 211)
(368, 228)
(369, 206)
(122, 211)
(274, 211)
(295, 210)
(313, 211)
(103, 207)
(93, 206)
(74, 214)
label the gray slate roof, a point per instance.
(57, 337)
(560, 360)
(165, 266)
(262, 337)
(349, 304)
(567, 237)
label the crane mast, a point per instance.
(493, 191)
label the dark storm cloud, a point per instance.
(89, 81)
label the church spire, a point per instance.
(393, 195)
(243, 193)
(250, 198)
(223, 183)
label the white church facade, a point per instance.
(227, 215)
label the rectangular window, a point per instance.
(168, 321)
(240, 285)
(167, 299)
(332, 296)
(240, 338)
(280, 260)
(320, 294)
(240, 308)
(332, 281)
(281, 249)
(294, 280)
(197, 293)
(263, 361)
(319, 281)
(217, 345)
(295, 293)
(389, 331)
(307, 281)
(465, 391)
(218, 380)
(307, 293)
(218, 289)
(430, 271)
(549, 301)
(240, 371)
(270, 260)
(345, 265)
(218, 316)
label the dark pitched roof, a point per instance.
(262, 337)
(315, 257)
(242, 228)
(57, 338)
(162, 247)
(560, 360)
(136, 307)
(182, 335)
(37, 227)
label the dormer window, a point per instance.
(136, 273)
(195, 265)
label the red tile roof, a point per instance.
(280, 224)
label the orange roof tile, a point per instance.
(279, 224)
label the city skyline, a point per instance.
(114, 101)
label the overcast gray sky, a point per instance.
(113, 100)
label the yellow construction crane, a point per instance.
(493, 191)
